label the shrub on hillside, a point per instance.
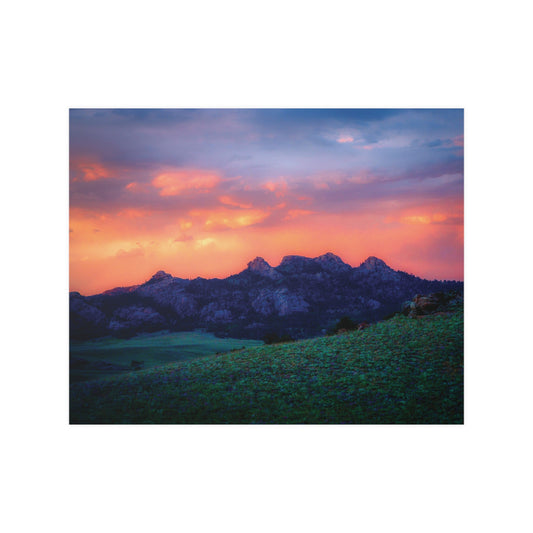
(343, 325)
(274, 338)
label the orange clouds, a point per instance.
(279, 188)
(294, 213)
(116, 246)
(267, 185)
(231, 219)
(182, 237)
(434, 218)
(99, 236)
(175, 182)
(127, 247)
(136, 187)
(89, 170)
(227, 200)
(417, 219)
(134, 213)
(134, 252)
(95, 172)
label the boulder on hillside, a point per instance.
(429, 304)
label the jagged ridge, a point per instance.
(300, 297)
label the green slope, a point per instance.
(398, 371)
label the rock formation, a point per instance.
(300, 297)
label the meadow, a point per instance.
(151, 349)
(398, 371)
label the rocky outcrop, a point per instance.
(153, 287)
(182, 303)
(280, 302)
(160, 275)
(214, 312)
(432, 303)
(120, 290)
(332, 263)
(261, 267)
(294, 264)
(86, 320)
(85, 311)
(378, 269)
(374, 264)
(136, 318)
(169, 292)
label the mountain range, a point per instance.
(301, 297)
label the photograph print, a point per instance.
(266, 266)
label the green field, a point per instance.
(152, 350)
(397, 371)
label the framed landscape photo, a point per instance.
(266, 266)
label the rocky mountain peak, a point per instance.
(160, 275)
(260, 266)
(298, 264)
(332, 262)
(329, 256)
(294, 260)
(373, 263)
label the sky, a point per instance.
(201, 192)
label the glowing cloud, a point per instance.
(279, 188)
(133, 252)
(202, 243)
(133, 213)
(136, 187)
(436, 218)
(417, 219)
(345, 139)
(229, 201)
(183, 238)
(90, 171)
(231, 219)
(294, 213)
(175, 182)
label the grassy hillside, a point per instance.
(398, 371)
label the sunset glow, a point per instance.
(202, 192)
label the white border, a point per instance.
(238, 54)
